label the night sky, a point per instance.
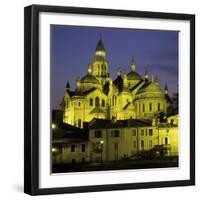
(72, 48)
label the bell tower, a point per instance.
(100, 63)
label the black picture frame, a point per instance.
(31, 98)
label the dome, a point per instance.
(100, 46)
(133, 75)
(89, 78)
(150, 87)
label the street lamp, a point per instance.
(53, 126)
(101, 142)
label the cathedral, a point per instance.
(97, 95)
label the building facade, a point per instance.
(104, 140)
(129, 96)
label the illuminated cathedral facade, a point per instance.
(97, 95)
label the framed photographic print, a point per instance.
(109, 100)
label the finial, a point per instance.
(156, 79)
(146, 75)
(125, 81)
(78, 82)
(89, 68)
(133, 65)
(100, 36)
(118, 71)
(166, 89)
(68, 85)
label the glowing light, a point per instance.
(53, 126)
(101, 141)
(53, 150)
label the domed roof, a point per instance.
(100, 46)
(133, 75)
(150, 87)
(89, 78)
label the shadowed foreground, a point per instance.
(117, 165)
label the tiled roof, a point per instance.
(106, 124)
(89, 78)
(68, 133)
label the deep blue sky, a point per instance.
(72, 48)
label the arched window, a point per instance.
(103, 103)
(79, 123)
(150, 107)
(91, 102)
(97, 101)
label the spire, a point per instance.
(89, 68)
(125, 81)
(68, 85)
(78, 82)
(166, 89)
(133, 65)
(100, 46)
(146, 75)
(152, 78)
(119, 71)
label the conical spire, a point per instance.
(67, 85)
(100, 46)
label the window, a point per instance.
(79, 104)
(115, 133)
(150, 106)
(166, 140)
(114, 100)
(79, 123)
(83, 159)
(97, 134)
(73, 147)
(143, 107)
(83, 148)
(158, 106)
(134, 132)
(142, 144)
(73, 160)
(97, 101)
(150, 144)
(134, 144)
(150, 132)
(142, 132)
(103, 103)
(91, 102)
